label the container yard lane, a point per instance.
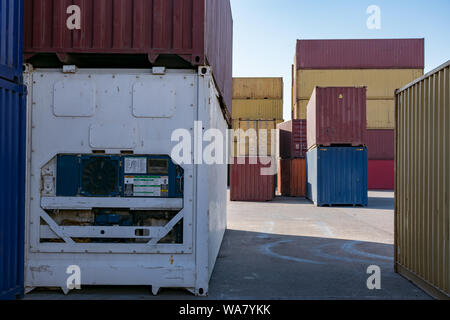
(290, 249)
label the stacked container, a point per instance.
(382, 65)
(337, 157)
(257, 105)
(292, 165)
(257, 110)
(12, 150)
(108, 91)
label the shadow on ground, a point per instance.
(254, 265)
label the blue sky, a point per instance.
(265, 31)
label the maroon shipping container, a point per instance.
(293, 142)
(381, 174)
(381, 144)
(337, 116)
(247, 183)
(292, 177)
(361, 54)
(198, 32)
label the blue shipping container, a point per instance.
(11, 40)
(12, 186)
(337, 176)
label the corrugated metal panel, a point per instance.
(251, 140)
(381, 144)
(380, 113)
(381, 84)
(293, 142)
(337, 116)
(258, 88)
(11, 39)
(300, 109)
(292, 177)
(361, 54)
(257, 109)
(381, 174)
(12, 186)
(422, 193)
(337, 176)
(198, 31)
(247, 183)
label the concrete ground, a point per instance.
(289, 249)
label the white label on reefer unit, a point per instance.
(136, 165)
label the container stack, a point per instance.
(336, 160)
(382, 65)
(12, 149)
(257, 110)
(292, 164)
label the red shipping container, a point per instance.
(381, 174)
(247, 183)
(337, 116)
(293, 142)
(381, 144)
(292, 177)
(198, 31)
(361, 54)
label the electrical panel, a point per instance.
(131, 176)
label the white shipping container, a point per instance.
(136, 216)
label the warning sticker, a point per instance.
(146, 186)
(135, 165)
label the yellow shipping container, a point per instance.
(257, 88)
(247, 142)
(422, 191)
(380, 113)
(257, 109)
(381, 84)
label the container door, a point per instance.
(11, 40)
(12, 186)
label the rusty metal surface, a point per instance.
(198, 31)
(361, 54)
(292, 177)
(247, 183)
(337, 116)
(293, 142)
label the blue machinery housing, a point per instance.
(118, 176)
(337, 176)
